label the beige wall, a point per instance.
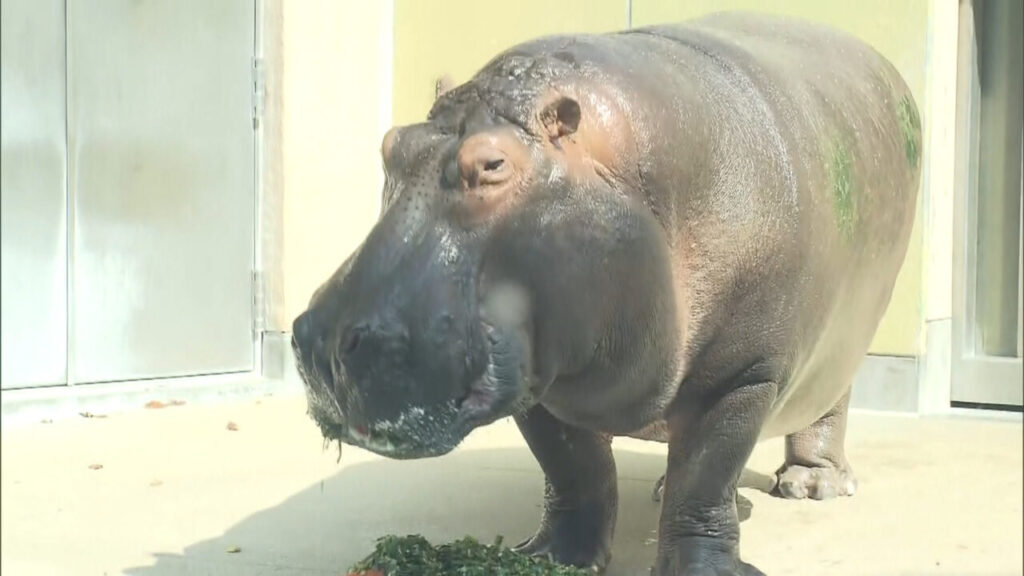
(941, 146)
(335, 106)
(457, 37)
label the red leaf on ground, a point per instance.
(155, 404)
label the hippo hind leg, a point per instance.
(580, 491)
(816, 465)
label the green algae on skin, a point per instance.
(841, 181)
(910, 126)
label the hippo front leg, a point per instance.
(710, 441)
(580, 491)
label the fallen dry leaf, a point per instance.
(95, 466)
(156, 482)
(232, 426)
(47, 421)
(234, 550)
(91, 415)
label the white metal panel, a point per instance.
(33, 270)
(162, 182)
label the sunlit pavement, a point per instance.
(173, 490)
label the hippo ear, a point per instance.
(560, 117)
(443, 84)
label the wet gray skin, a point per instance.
(684, 233)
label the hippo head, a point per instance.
(503, 252)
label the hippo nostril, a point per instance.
(364, 344)
(443, 324)
(319, 346)
(353, 342)
(352, 339)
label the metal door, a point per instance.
(162, 187)
(987, 253)
(33, 273)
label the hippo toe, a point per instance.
(816, 482)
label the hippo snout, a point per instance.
(303, 330)
(395, 356)
(355, 374)
(358, 344)
(308, 344)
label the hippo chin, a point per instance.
(682, 233)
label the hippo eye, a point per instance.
(482, 161)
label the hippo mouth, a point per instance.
(430, 431)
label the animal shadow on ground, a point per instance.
(328, 526)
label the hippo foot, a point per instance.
(703, 556)
(797, 482)
(563, 539)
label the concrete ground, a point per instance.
(178, 489)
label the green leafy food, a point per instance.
(414, 556)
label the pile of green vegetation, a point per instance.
(415, 556)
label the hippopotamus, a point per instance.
(686, 233)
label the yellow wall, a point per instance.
(436, 37)
(334, 96)
(457, 37)
(899, 30)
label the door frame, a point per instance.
(261, 195)
(976, 379)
